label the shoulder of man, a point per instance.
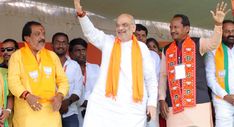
(92, 65)
(166, 47)
(195, 39)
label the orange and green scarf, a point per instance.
(114, 69)
(221, 62)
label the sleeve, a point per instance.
(97, 37)
(14, 80)
(156, 62)
(150, 78)
(163, 79)
(210, 44)
(78, 81)
(60, 76)
(157, 66)
(211, 78)
(92, 76)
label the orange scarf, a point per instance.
(183, 93)
(114, 69)
(221, 60)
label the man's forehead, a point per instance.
(37, 28)
(60, 38)
(176, 20)
(140, 32)
(8, 43)
(78, 46)
(124, 18)
(228, 25)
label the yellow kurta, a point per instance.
(19, 81)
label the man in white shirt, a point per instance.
(126, 89)
(220, 71)
(68, 109)
(78, 52)
(141, 34)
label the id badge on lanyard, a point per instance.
(180, 72)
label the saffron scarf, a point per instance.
(114, 69)
(182, 93)
(221, 63)
(40, 73)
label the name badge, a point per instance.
(180, 72)
(34, 75)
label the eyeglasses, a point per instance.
(8, 49)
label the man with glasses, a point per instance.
(68, 110)
(9, 46)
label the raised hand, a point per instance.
(78, 7)
(219, 13)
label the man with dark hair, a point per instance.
(68, 110)
(183, 91)
(78, 52)
(37, 80)
(220, 69)
(9, 46)
(141, 34)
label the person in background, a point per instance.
(219, 69)
(153, 45)
(78, 52)
(68, 110)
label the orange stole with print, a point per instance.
(182, 93)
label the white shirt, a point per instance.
(74, 75)
(211, 73)
(92, 72)
(156, 61)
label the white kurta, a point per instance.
(224, 111)
(103, 111)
